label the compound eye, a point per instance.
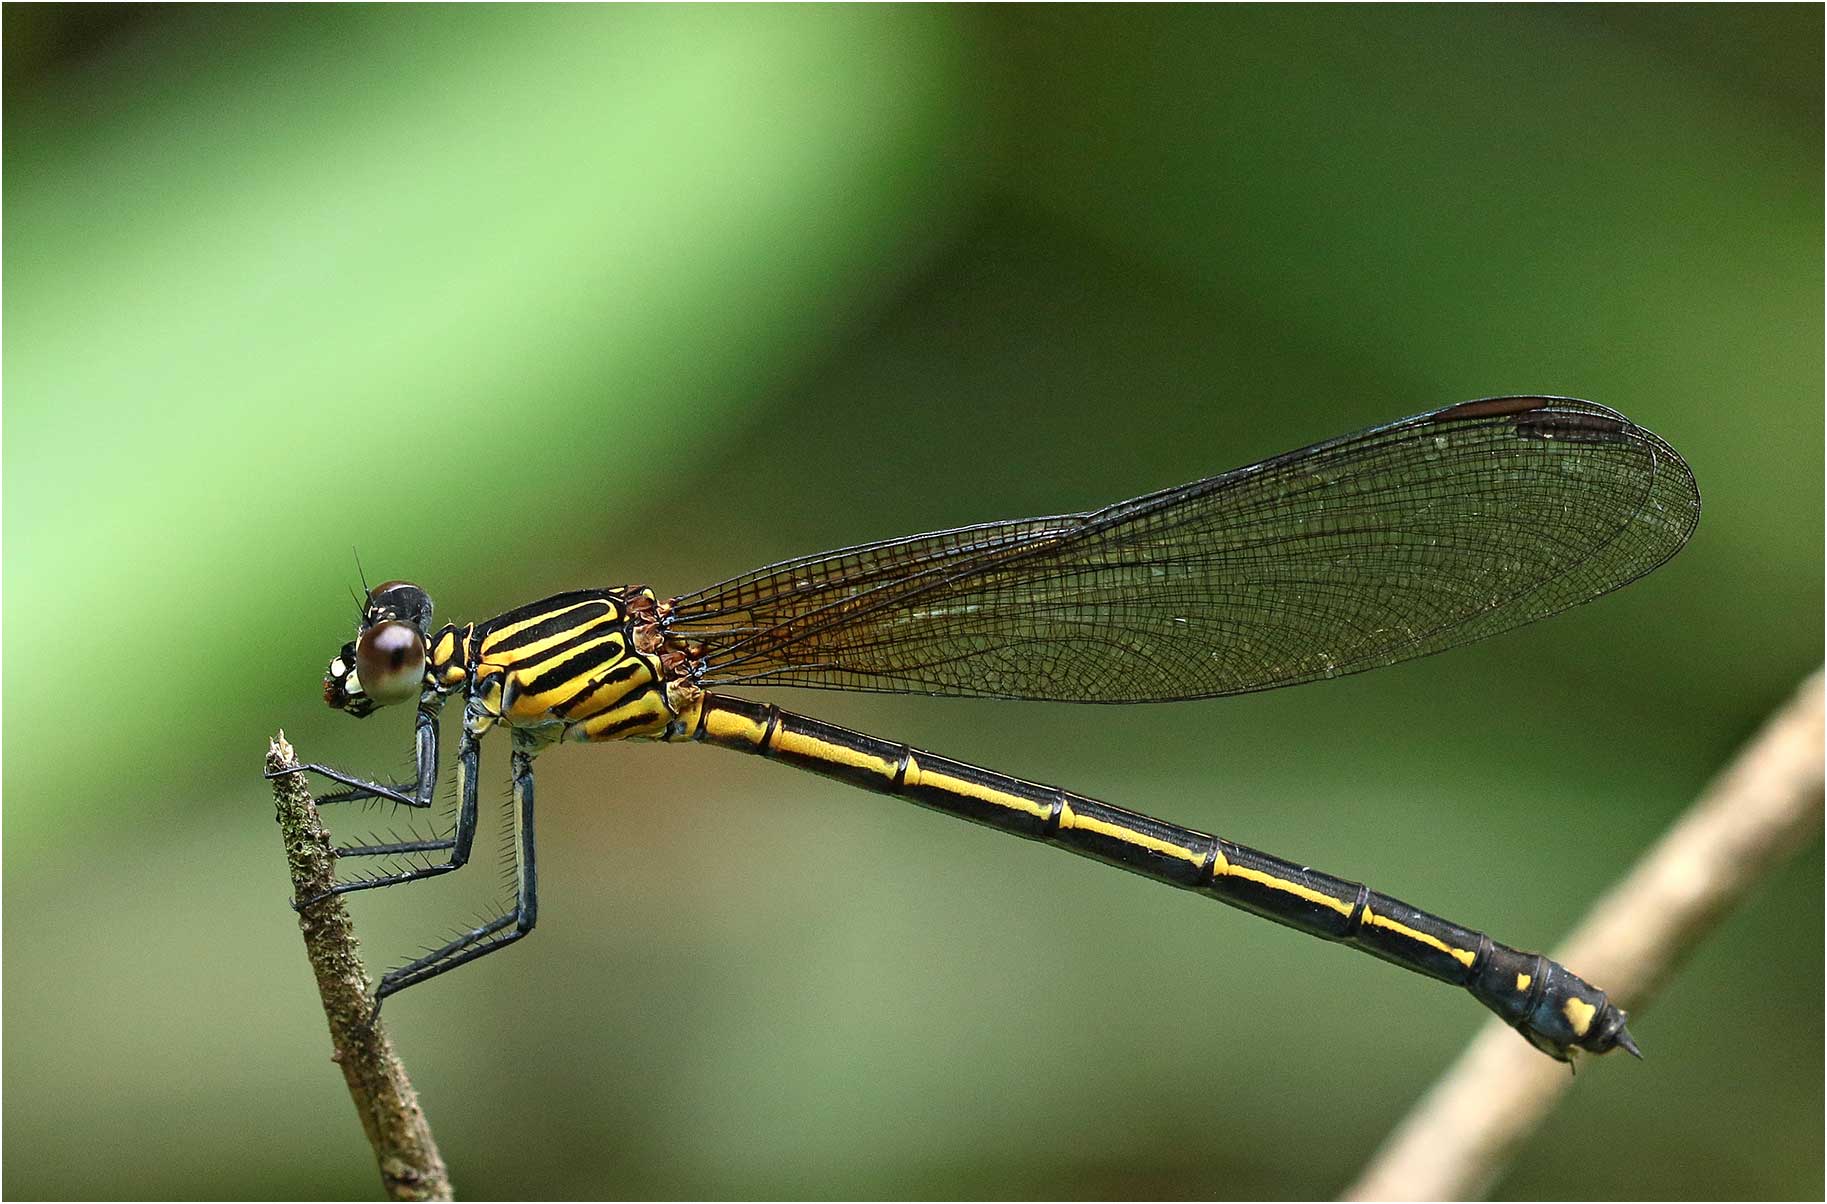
(390, 662)
(397, 600)
(380, 592)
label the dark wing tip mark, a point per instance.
(1563, 418)
(1492, 407)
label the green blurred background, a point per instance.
(516, 300)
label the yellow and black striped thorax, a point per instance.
(572, 664)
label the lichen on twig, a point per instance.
(410, 1165)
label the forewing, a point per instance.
(1396, 542)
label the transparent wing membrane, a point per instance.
(1393, 543)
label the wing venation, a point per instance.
(1393, 543)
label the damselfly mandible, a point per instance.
(1397, 542)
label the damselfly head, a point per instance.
(385, 664)
(342, 688)
(397, 600)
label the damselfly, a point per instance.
(1396, 542)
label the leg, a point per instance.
(459, 843)
(418, 793)
(501, 931)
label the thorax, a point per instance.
(583, 666)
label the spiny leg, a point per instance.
(503, 930)
(417, 793)
(459, 843)
(398, 847)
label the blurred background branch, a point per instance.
(1759, 811)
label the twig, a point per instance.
(411, 1167)
(1762, 808)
